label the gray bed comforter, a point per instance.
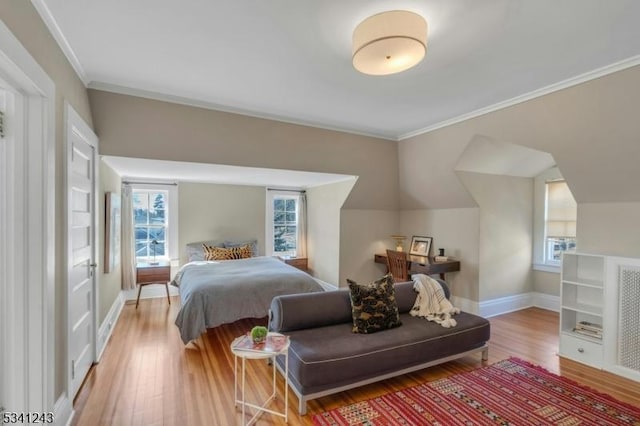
(214, 293)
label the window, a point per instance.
(282, 223)
(150, 218)
(560, 221)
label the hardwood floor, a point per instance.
(148, 377)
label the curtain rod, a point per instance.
(148, 183)
(301, 191)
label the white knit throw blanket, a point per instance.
(431, 302)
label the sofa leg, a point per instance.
(302, 406)
(485, 354)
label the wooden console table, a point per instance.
(424, 265)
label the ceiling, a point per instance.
(488, 156)
(291, 60)
(137, 169)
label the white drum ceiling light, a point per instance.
(389, 42)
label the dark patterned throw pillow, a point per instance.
(374, 306)
(222, 253)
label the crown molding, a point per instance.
(573, 81)
(56, 32)
(176, 99)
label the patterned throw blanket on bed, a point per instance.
(431, 302)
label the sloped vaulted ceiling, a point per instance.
(484, 155)
(591, 130)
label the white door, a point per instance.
(81, 243)
(27, 229)
(12, 227)
(3, 248)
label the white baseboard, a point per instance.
(465, 305)
(503, 305)
(150, 291)
(63, 411)
(546, 301)
(107, 326)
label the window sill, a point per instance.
(546, 268)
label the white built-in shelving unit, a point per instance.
(601, 293)
(582, 300)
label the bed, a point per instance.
(219, 292)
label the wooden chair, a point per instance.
(397, 265)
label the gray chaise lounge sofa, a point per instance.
(326, 357)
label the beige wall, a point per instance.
(609, 228)
(546, 282)
(323, 229)
(506, 233)
(219, 212)
(25, 23)
(110, 283)
(363, 233)
(458, 232)
(193, 134)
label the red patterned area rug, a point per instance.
(510, 392)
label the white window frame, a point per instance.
(540, 261)
(171, 212)
(271, 196)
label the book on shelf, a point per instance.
(273, 343)
(589, 333)
(586, 325)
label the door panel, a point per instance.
(4, 264)
(81, 275)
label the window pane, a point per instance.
(290, 237)
(555, 247)
(141, 248)
(156, 234)
(278, 218)
(157, 217)
(278, 204)
(158, 200)
(142, 233)
(157, 249)
(291, 217)
(291, 205)
(139, 200)
(279, 242)
(140, 208)
(157, 208)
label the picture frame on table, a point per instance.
(420, 246)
